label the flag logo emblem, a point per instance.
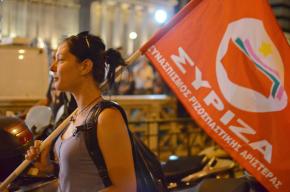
(247, 39)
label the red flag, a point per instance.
(228, 62)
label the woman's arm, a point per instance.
(116, 148)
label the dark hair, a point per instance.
(87, 46)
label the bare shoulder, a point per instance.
(110, 121)
(110, 116)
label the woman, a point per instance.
(80, 66)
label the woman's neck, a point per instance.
(86, 95)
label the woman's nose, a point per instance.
(53, 66)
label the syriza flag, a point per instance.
(228, 62)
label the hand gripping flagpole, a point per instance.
(57, 131)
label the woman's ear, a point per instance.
(86, 66)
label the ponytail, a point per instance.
(113, 60)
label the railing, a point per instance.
(179, 136)
(147, 107)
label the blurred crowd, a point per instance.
(140, 78)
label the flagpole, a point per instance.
(57, 131)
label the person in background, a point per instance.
(79, 68)
(56, 100)
(126, 85)
(144, 76)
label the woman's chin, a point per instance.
(61, 88)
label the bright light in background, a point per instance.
(12, 34)
(160, 16)
(133, 35)
(20, 57)
(40, 43)
(14, 131)
(21, 51)
(173, 157)
(54, 43)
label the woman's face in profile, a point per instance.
(66, 69)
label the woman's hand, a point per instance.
(33, 152)
(41, 160)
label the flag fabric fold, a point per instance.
(228, 62)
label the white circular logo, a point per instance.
(250, 37)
